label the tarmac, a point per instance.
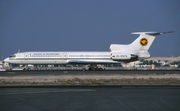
(90, 99)
(86, 72)
(90, 90)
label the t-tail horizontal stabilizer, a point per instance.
(153, 33)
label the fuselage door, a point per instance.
(64, 55)
(26, 56)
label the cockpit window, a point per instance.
(12, 56)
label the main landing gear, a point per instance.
(95, 68)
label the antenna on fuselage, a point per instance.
(19, 51)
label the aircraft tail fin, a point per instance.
(143, 42)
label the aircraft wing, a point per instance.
(90, 61)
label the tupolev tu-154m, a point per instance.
(137, 50)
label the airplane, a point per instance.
(137, 50)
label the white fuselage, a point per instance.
(61, 57)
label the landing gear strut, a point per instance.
(95, 68)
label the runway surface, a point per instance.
(90, 99)
(77, 72)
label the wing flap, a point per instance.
(90, 61)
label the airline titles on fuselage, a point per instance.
(68, 55)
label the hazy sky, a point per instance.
(86, 25)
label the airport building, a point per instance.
(170, 59)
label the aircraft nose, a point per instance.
(6, 60)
